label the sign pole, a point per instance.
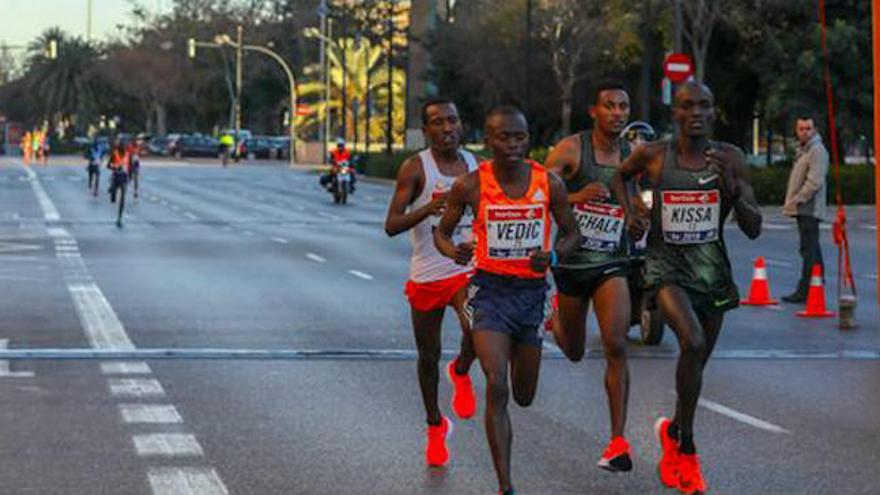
(875, 13)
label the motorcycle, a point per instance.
(342, 184)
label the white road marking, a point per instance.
(247, 233)
(14, 247)
(358, 274)
(785, 264)
(870, 227)
(167, 445)
(135, 387)
(279, 240)
(314, 257)
(776, 226)
(5, 371)
(191, 216)
(126, 368)
(186, 481)
(102, 326)
(149, 414)
(741, 417)
(50, 213)
(58, 232)
(871, 276)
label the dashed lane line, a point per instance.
(149, 414)
(361, 275)
(316, 258)
(741, 417)
(280, 240)
(167, 445)
(186, 480)
(135, 387)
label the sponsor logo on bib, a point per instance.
(601, 225)
(512, 232)
(691, 217)
(464, 230)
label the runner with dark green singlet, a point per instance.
(696, 183)
(597, 272)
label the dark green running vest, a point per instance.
(686, 241)
(599, 250)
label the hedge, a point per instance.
(857, 181)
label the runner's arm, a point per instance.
(405, 192)
(636, 164)
(569, 236)
(748, 213)
(459, 198)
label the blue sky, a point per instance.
(23, 20)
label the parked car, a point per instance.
(195, 145)
(258, 147)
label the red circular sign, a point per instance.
(678, 67)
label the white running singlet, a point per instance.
(427, 264)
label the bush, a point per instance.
(857, 184)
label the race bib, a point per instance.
(512, 232)
(601, 226)
(691, 217)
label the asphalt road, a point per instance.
(255, 261)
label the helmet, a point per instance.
(638, 132)
(340, 141)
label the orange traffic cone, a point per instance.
(759, 292)
(816, 297)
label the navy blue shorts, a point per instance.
(517, 307)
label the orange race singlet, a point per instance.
(507, 230)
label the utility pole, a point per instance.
(528, 86)
(678, 26)
(389, 28)
(89, 20)
(323, 129)
(238, 57)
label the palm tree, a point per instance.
(66, 87)
(365, 80)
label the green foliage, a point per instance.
(857, 184)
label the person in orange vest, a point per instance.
(339, 156)
(117, 165)
(513, 200)
(26, 143)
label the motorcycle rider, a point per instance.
(338, 157)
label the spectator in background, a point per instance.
(805, 199)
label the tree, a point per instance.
(700, 17)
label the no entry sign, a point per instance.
(678, 67)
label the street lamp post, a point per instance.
(222, 40)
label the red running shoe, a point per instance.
(690, 476)
(464, 402)
(616, 457)
(667, 468)
(436, 454)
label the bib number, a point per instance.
(601, 226)
(691, 217)
(513, 232)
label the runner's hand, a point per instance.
(540, 261)
(594, 191)
(464, 252)
(719, 162)
(437, 205)
(637, 223)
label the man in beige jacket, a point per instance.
(805, 199)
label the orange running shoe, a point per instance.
(667, 468)
(436, 454)
(690, 476)
(464, 402)
(616, 457)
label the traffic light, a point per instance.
(191, 48)
(52, 50)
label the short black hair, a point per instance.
(504, 111)
(430, 102)
(805, 115)
(605, 85)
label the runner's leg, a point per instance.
(426, 329)
(493, 349)
(571, 332)
(466, 353)
(612, 303)
(525, 365)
